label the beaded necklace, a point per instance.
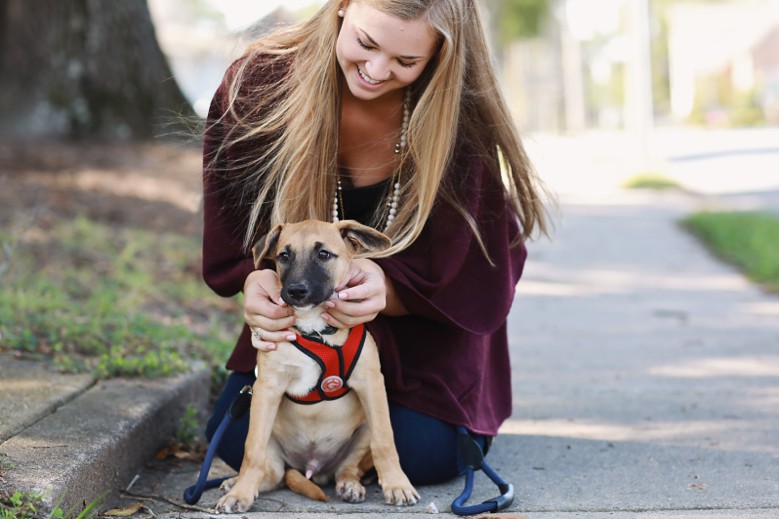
(338, 211)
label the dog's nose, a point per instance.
(297, 292)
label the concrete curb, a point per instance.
(97, 441)
(30, 390)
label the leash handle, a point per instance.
(237, 409)
(473, 458)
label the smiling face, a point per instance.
(379, 53)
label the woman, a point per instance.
(387, 112)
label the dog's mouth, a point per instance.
(303, 308)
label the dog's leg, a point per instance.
(368, 383)
(262, 468)
(348, 474)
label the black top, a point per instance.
(360, 203)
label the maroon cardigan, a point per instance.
(449, 359)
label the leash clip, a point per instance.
(241, 403)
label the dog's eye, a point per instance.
(325, 255)
(283, 257)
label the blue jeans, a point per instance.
(427, 447)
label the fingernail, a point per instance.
(290, 337)
(343, 295)
(326, 317)
(330, 304)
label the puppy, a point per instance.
(337, 437)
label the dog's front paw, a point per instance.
(233, 503)
(227, 484)
(401, 495)
(350, 491)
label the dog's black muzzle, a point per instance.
(304, 294)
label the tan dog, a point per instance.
(334, 437)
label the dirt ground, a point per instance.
(155, 186)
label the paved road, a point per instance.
(731, 168)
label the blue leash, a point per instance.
(238, 408)
(473, 458)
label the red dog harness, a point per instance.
(336, 363)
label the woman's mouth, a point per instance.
(365, 77)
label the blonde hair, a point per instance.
(293, 176)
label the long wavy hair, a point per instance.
(293, 176)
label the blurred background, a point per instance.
(566, 65)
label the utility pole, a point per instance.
(638, 89)
(573, 76)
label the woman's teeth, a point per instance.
(366, 78)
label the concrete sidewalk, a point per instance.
(646, 372)
(646, 384)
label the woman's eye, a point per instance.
(325, 255)
(360, 42)
(402, 63)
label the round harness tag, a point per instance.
(332, 383)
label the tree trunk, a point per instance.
(85, 68)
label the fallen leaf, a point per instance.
(124, 512)
(162, 454)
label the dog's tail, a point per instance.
(299, 484)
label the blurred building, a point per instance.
(712, 62)
(724, 62)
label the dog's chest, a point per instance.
(315, 436)
(303, 372)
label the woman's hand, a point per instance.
(361, 297)
(265, 312)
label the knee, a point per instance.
(427, 447)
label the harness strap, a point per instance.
(335, 362)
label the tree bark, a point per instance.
(85, 68)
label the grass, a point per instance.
(19, 506)
(110, 301)
(654, 181)
(749, 240)
(22, 505)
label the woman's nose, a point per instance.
(377, 69)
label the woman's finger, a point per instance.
(265, 340)
(270, 323)
(332, 320)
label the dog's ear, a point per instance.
(362, 239)
(265, 245)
